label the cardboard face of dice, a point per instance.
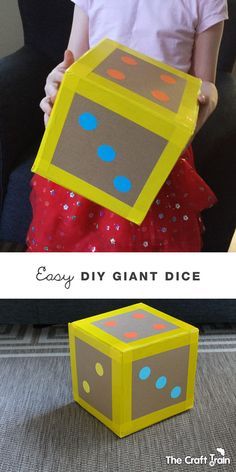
(134, 325)
(117, 128)
(94, 377)
(107, 150)
(161, 380)
(144, 79)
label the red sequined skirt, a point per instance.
(66, 222)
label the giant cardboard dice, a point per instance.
(119, 124)
(133, 367)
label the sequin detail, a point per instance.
(72, 223)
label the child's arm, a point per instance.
(79, 36)
(78, 45)
(204, 64)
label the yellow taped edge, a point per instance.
(193, 355)
(118, 393)
(99, 343)
(77, 185)
(93, 57)
(71, 330)
(54, 128)
(148, 420)
(139, 110)
(189, 107)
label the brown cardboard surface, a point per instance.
(100, 395)
(137, 150)
(139, 322)
(146, 398)
(142, 78)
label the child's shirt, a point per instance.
(163, 29)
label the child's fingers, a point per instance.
(51, 90)
(53, 98)
(202, 99)
(55, 76)
(46, 118)
(67, 62)
(53, 83)
(46, 105)
(68, 58)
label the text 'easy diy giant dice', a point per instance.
(133, 367)
(119, 124)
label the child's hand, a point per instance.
(53, 83)
(207, 100)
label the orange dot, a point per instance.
(138, 315)
(116, 74)
(131, 334)
(110, 323)
(159, 95)
(168, 79)
(158, 326)
(129, 60)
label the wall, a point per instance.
(11, 34)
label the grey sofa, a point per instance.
(63, 311)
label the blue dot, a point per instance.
(176, 392)
(106, 153)
(144, 373)
(161, 382)
(88, 122)
(122, 184)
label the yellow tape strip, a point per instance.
(72, 336)
(193, 354)
(141, 423)
(54, 128)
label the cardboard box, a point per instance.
(133, 367)
(118, 126)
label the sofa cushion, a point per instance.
(47, 25)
